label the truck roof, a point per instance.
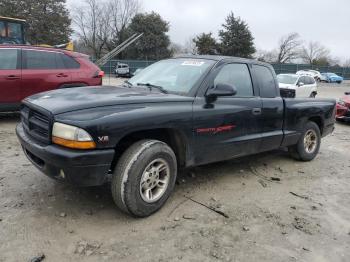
(221, 58)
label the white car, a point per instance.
(313, 73)
(304, 86)
(122, 70)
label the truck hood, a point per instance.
(72, 99)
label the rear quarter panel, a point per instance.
(85, 73)
(299, 111)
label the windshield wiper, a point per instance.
(150, 86)
(127, 83)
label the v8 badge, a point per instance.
(103, 139)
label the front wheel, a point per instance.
(313, 95)
(144, 177)
(309, 143)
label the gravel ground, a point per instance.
(303, 214)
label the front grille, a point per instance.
(36, 123)
(287, 93)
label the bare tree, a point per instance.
(92, 21)
(288, 48)
(177, 49)
(121, 13)
(314, 52)
(102, 25)
(190, 47)
(266, 56)
(334, 61)
(347, 63)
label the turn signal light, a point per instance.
(74, 144)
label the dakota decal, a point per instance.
(215, 130)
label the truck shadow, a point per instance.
(98, 201)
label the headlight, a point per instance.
(71, 136)
(341, 102)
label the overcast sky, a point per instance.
(318, 20)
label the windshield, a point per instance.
(173, 75)
(287, 79)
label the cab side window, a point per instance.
(310, 80)
(236, 75)
(301, 80)
(14, 31)
(266, 81)
(2, 29)
(307, 80)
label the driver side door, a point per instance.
(229, 126)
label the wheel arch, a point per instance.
(319, 121)
(171, 136)
(70, 85)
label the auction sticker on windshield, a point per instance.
(192, 63)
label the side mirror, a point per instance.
(300, 84)
(220, 89)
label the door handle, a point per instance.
(256, 111)
(61, 75)
(13, 77)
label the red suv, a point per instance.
(27, 70)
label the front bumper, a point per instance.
(78, 167)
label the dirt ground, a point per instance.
(301, 215)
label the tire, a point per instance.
(313, 95)
(130, 174)
(71, 85)
(300, 151)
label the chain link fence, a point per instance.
(292, 68)
(109, 67)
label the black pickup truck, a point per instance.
(174, 114)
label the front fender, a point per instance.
(108, 125)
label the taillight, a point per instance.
(99, 74)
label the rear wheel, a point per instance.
(309, 143)
(144, 177)
(71, 85)
(313, 94)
